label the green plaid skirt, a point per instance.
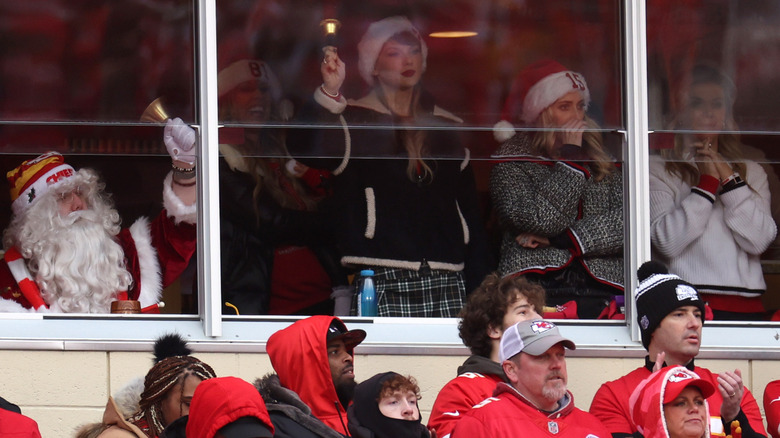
(424, 293)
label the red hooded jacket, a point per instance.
(299, 355)
(220, 401)
(647, 401)
(13, 425)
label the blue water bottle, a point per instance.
(367, 298)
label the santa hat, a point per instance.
(535, 88)
(376, 36)
(35, 177)
(246, 70)
(659, 294)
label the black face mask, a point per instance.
(345, 392)
(365, 412)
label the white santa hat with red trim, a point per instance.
(534, 89)
(35, 177)
(376, 36)
(246, 70)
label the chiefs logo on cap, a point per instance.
(541, 326)
(679, 377)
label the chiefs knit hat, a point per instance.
(659, 294)
(535, 88)
(246, 70)
(35, 177)
(376, 36)
(532, 337)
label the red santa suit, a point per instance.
(508, 414)
(156, 252)
(611, 404)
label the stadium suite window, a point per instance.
(112, 111)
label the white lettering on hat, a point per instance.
(679, 377)
(541, 326)
(685, 292)
(644, 322)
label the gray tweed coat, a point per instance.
(533, 194)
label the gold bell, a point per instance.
(155, 112)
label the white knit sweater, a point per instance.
(713, 241)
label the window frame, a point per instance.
(213, 332)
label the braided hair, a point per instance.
(166, 373)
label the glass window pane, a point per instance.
(714, 189)
(76, 78)
(99, 61)
(399, 181)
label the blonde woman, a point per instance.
(558, 194)
(710, 208)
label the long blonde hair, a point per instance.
(264, 155)
(592, 144)
(413, 140)
(729, 144)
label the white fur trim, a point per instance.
(441, 112)
(234, 158)
(401, 264)
(246, 70)
(128, 397)
(329, 103)
(503, 131)
(370, 213)
(466, 159)
(545, 92)
(174, 205)
(375, 37)
(347, 147)
(151, 278)
(463, 225)
(371, 101)
(11, 306)
(42, 184)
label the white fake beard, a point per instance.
(78, 265)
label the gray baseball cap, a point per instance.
(533, 337)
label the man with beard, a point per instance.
(314, 381)
(671, 315)
(497, 304)
(536, 402)
(65, 250)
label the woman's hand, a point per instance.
(333, 71)
(571, 132)
(711, 162)
(531, 241)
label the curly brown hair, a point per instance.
(487, 306)
(399, 383)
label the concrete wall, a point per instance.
(62, 390)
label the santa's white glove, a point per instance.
(180, 139)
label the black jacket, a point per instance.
(291, 417)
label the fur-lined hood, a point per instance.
(280, 400)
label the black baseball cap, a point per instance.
(351, 338)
